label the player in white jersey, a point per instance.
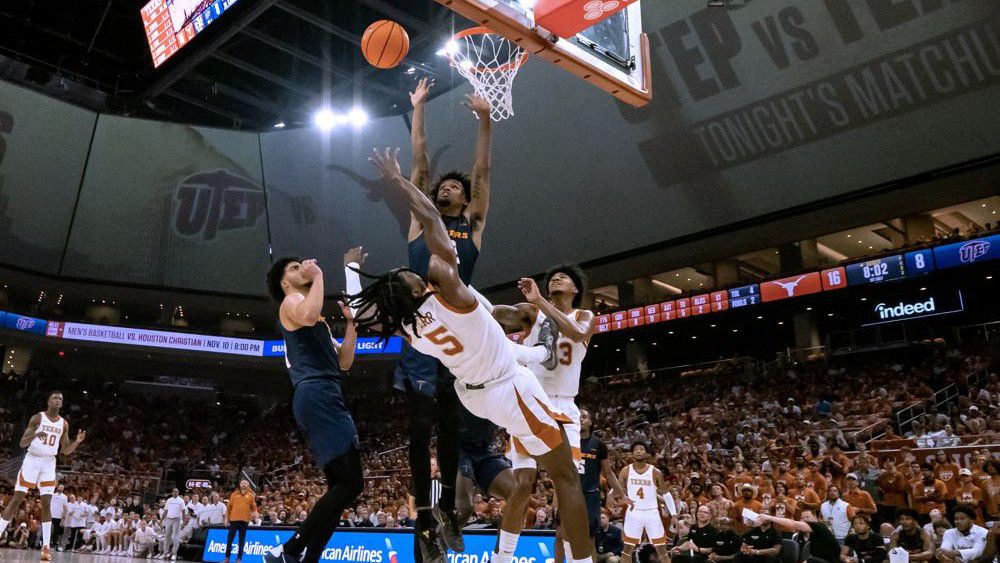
(442, 318)
(46, 436)
(645, 487)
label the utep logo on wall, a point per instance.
(209, 202)
(970, 251)
(25, 323)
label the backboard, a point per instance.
(613, 54)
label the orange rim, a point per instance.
(484, 31)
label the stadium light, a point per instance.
(279, 125)
(357, 117)
(325, 119)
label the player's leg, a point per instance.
(345, 480)
(631, 533)
(657, 535)
(573, 511)
(27, 479)
(449, 423)
(46, 516)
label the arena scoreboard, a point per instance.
(171, 24)
(879, 270)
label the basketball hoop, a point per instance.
(489, 62)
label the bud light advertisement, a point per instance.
(365, 345)
(967, 252)
(355, 545)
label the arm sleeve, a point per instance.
(979, 544)
(948, 541)
(353, 282)
(668, 499)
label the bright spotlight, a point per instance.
(357, 117)
(451, 47)
(279, 125)
(325, 119)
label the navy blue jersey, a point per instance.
(594, 452)
(460, 231)
(309, 353)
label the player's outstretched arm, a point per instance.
(420, 172)
(577, 328)
(443, 268)
(32, 432)
(616, 486)
(514, 317)
(346, 351)
(479, 206)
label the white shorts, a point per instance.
(639, 521)
(567, 406)
(37, 472)
(520, 406)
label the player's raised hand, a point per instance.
(419, 94)
(346, 311)
(356, 255)
(477, 104)
(81, 436)
(386, 163)
(310, 269)
(530, 290)
(41, 435)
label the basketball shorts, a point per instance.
(418, 372)
(519, 405)
(639, 521)
(322, 416)
(37, 472)
(567, 406)
(477, 459)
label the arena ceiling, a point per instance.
(263, 62)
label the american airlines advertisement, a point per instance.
(379, 546)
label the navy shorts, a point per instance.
(322, 416)
(476, 458)
(417, 372)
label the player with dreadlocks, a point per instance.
(442, 317)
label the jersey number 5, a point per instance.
(448, 343)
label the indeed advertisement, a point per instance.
(378, 546)
(912, 305)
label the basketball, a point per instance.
(385, 43)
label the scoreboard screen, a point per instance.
(743, 296)
(969, 252)
(875, 271)
(919, 262)
(171, 24)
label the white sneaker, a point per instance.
(173, 557)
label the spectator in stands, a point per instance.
(861, 501)
(834, 512)
(911, 538)
(727, 542)
(893, 489)
(745, 502)
(403, 519)
(861, 545)
(929, 492)
(968, 494)
(761, 543)
(966, 541)
(700, 539)
(935, 528)
(608, 542)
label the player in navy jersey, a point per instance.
(463, 203)
(315, 365)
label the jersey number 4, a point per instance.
(640, 494)
(448, 343)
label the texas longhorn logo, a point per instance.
(209, 202)
(594, 9)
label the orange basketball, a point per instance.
(385, 43)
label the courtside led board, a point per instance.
(613, 54)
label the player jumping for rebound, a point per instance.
(442, 317)
(47, 435)
(645, 486)
(566, 285)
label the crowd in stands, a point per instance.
(823, 437)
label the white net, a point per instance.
(489, 62)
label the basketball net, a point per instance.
(489, 62)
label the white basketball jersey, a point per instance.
(48, 445)
(469, 343)
(564, 381)
(642, 488)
